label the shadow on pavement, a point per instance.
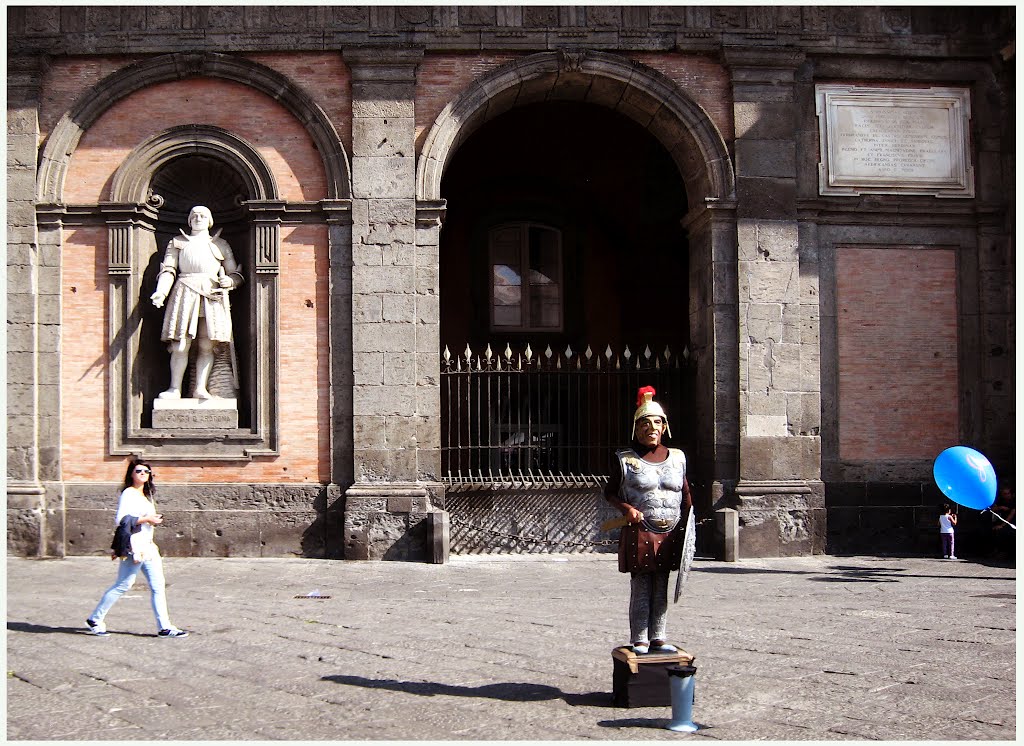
(510, 691)
(635, 723)
(840, 574)
(43, 629)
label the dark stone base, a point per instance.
(200, 520)
(781, 518)
(391, 521)
(898, 518)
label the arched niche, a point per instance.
(136, 224)
(152, 193)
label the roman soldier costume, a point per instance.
(651, 479)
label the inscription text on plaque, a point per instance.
(894, 141)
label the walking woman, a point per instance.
(134, 550)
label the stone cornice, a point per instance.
(904, 32)
(383, 64)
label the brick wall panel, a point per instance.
(303, 394)
(897, 334)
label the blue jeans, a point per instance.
(127, 570)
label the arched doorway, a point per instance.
(567, 282)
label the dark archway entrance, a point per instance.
(562, 237)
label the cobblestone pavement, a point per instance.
(810, 648)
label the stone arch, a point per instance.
(62, 142)
(637, 91)
(132, 179)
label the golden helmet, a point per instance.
(647, 407)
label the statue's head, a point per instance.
(203, 214)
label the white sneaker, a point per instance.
(97, 628)
(953, 556)
(172, 632)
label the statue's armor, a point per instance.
(196, 260)
(654, 489)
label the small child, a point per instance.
(946, 523)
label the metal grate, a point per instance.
(523, 419)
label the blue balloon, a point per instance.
(966, 477)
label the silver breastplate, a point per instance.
(656, 490)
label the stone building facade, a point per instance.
(840, 278)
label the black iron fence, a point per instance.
(526, 419)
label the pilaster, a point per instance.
(779, 487)
(33, 325)
(395, 318)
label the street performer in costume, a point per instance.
(648, 485)
(195, 276)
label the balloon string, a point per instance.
(986, 510)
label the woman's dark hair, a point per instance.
(148, 488)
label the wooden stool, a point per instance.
(642, 680)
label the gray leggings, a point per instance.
(648, 607)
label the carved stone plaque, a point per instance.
(195, 414)
(894, 141)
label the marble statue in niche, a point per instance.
(196, 275)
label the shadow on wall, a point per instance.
(529, 521)
(324, 539)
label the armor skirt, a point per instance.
(646, 551)
(186, 309)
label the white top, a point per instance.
(945, 524)
(133, 502)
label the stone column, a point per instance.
(711, 230)
(34, 499)
(395, 338)
(780, 494)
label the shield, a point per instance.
(689, 550)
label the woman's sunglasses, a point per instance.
(142, 471)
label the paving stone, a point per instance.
(806, 648)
